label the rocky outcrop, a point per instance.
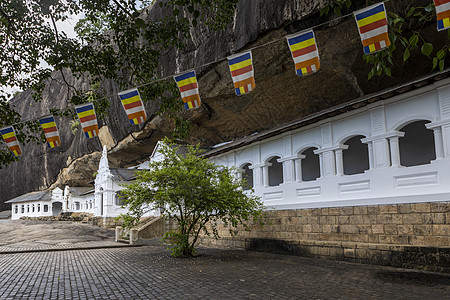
(280, 96)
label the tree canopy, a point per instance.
(117, 41)
(197, 193)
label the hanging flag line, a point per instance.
(372, 27)
(206, 64)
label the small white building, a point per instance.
(101, 201)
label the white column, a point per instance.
(288, 168)
(298, 168)
(265, 172)
(395, 151)
(257, 175)
(438, 142)
(339, 162)
(370, 150)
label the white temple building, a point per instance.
(395, 150)
(102, 201)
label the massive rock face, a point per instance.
(280, 96)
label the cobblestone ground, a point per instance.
(150, 273)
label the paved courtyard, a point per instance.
(149, 272)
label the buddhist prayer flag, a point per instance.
(9, 135)
(88, 120)
(304, 52)
(241, 68)
(51, 132)
(372, 25)
(187, 83)
(442, 14)
(133, 106)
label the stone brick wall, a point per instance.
(401, 235)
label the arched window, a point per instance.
(16, 209)
(310, 165)
(77, 205)
(45, 208)
(356, 157)
(28, 208)
(22, 209)
(417, 146)
(275, 171)
(118, 199)
(90, 204)
(32, 208)
(247, 176)
(39, 207)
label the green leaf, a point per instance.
(441, 65)
(413, 40)
(426, 49)
(410, 12)
(435, 62)
(388, 71)
(429, 7)
(440, 54)
(348, 3)
(406, 54)
(337, 10)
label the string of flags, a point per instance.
(372, 27)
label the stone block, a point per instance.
(292, 213)
(422, 229)
(324, 251)
(336, 252)
(362, 238)
(442, 207)
(333, 211)
(412, 219)
(323, 220)
(361, 253)
(438, 218)
(349, 228)
(399, 239)
(335, 229)
(306, 212)
(373, 238)
(331, 220)
(377, 229)
(312, 236)
(390, 229)
(326, 228)
(360, 210)
(372, 210)
(343, 220)
(331, 236)
(388, 209)
(307, 228)
(440, 241)
(349, 253)
(404, 208)
(346, 211)
(313, 220)
(324, 211)
(384, 239)
(420, 207)
(302, 220)
(315, 228)
(441, 230)
(384, 219)
(316, 212)
(405, 229)
(369, 219)
(356, 219)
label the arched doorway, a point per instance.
(417, 146)
(275, 171)
(56, 208)
(356, 157)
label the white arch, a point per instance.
(272, 155)
(411, 119)
(349, 135)
(306, 147)
(245, 163)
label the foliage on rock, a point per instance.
(198, 194)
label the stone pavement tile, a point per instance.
(150, 273)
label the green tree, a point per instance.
(117, 42)
(196, 193)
